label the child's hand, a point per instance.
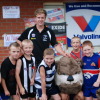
(7, 93)
(22, 91)
(96, 84)
(44, 97)
(32, 81)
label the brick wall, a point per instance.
(16, 26)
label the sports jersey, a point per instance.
(90, 69)
(76, 55)
(8, 73)
(49, 71)
(41, 40)
(26, 72)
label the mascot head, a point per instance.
(69, 75)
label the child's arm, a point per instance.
(5, 87)
(43, 83)
(18, 68)
(33, 77)
(97, 83)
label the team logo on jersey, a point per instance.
(33, 35)
(45, 37)
(30, 65)
(88, 75)
(93, 64)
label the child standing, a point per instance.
(90, 71)
(8, 71)
(76, 53)
(45, 86)
(25, 72)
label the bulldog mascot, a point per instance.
(69, 77)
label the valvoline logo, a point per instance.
(87, 27)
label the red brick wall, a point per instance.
(16, 26)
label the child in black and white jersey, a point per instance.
(25, 72)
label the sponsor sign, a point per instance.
(83, 20)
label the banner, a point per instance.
(83, 21)
(11, 11)
(10, 38)
(55, 14)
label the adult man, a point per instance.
(41, 36)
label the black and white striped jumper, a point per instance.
(49, 71)
(26, 72)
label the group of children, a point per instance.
(20, 77)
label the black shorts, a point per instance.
(26, 95)
(49, 91)
(12, 90)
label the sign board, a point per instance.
(11, 11)
(83, 20)
(8, 39)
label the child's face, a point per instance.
(49, 59)
(27, 49)
(76, 44)
(14, 52)
(88, 50)
(40, 19)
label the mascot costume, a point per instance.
(69, 76)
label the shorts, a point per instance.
(49, 91)
(12, 88)
(12, 91)
(88, 92)
(27, 94)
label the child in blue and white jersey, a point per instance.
(44, 81)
